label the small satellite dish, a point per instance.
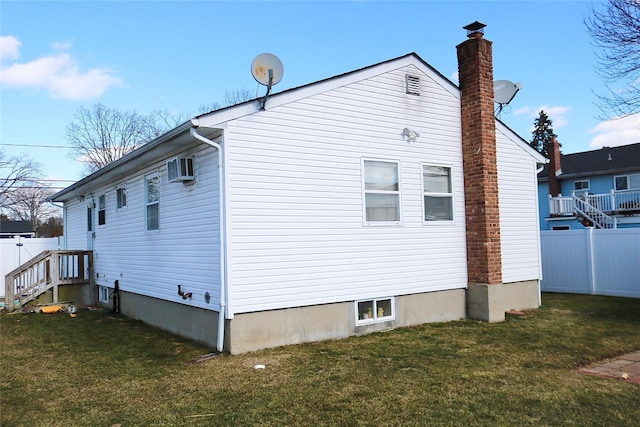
(504, 91)
(267, 69)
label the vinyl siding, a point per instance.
(183, 251)
(295, 197)
(519, 222)
(75, 227)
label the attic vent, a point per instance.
(413, 84)
(180, 169)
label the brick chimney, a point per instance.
(475, 68)
(554, 167)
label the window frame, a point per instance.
(102, 210)
(149, 204)
(360, 309)
(450, 194)
(121, 197)
(628, 179)
(588, 187)
(397, 193)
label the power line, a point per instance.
(36, 145)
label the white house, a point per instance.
(320, 216)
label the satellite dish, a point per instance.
(504, 91)
(267, 69)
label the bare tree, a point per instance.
(100, 135)
(29, 203)
(14, 172)
(616, 37)
(231, 97)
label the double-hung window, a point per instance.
(381, 191)
(102, 210)
(121, 197)
(438, 193)
(152, 190)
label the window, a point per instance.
(581, 185)
(102, 210)
(89, 218)
(627, 182)
(438, 196)
(121, 197)
(153, 201)
(561, 227)
(375, 310)
(103, 294)
(381, 191)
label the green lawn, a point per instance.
(101, 370)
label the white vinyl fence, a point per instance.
(590, 261)
(18, 250)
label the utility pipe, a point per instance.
(223, 238)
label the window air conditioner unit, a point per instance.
(180, 169)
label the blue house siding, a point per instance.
(600, 169)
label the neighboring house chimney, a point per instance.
(555, 168)
(484, 256)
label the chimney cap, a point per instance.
(474, 27)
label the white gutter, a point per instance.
(223, 237)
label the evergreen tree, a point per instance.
(542, 134)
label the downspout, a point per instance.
(540, 168)
(223, 237)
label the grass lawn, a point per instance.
(98, 369)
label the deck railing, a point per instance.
(45, 272)
(613, 203)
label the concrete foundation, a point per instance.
(490, 302)
(254, 331)
(191, 322)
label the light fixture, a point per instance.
(411, 135)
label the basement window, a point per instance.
(103, 294)
(412, 84)
(374, 310)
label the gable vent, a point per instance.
(180, 169)
(413, 84)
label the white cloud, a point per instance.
(59, 74)
(558, 114)
(9, 48)
(616, 132)
(61, 45)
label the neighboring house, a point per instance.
(599, 188)
(9, 229)
(383, 197)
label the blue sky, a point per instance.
(177, 56)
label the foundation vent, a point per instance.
(413, 84)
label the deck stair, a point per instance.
(44, 273)
(589, 210)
